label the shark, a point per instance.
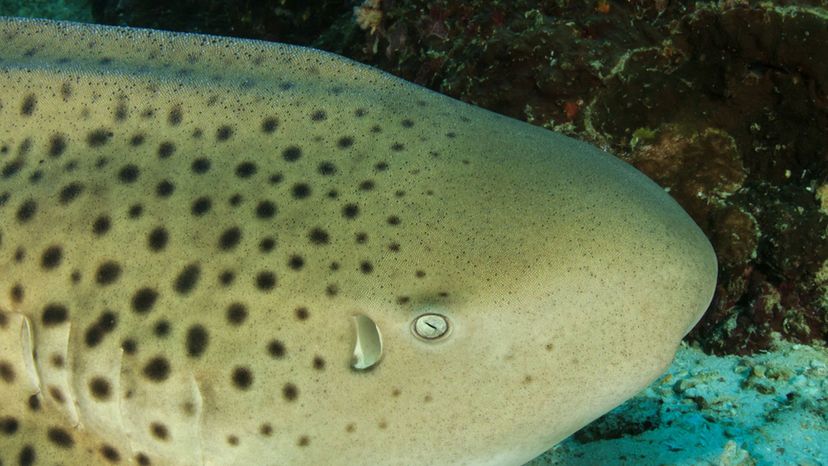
(217, 251)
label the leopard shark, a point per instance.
(217, 251)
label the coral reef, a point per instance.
(764, 409)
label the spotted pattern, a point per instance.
(193, 232)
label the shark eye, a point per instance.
(430, 326)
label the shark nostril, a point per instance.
(430, 326)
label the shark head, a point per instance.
(217, 251)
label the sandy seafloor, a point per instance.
(767, 409)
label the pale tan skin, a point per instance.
(568, 278)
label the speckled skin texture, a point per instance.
(189, 224)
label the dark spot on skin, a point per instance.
(302, 313)
(292, 154)
(275, 178)
(166, 149)
(266, 430)
(34, 403)
(230, 238)
(143, 300)
(28, 106)
(269, 125)
(175, 116)
(197, 340)
(164, 189)
(265, 209)
(142, 460)
(381, 166)
(26, 211)
(290, 392)
(303, 441)
(236, 313)
(110, 454)
(159, 431)
(232, 440)
(98, 137)
(187, 279)
(108, 273)
(60, 437)
(345, 142)
(267, 244)
(201, 206)
(318, 236)
(318, 363)
(318, 115)
(350, 211)
(27, 456)
(57, 361)
(136, 140)
(100, 388)
(301, 191)
(296, 262)
(224, 133)
(94, 335)
(54, 314)
(393, 220)
(276, 349)
(128, 174)
(57, 145)
(6, 372)
(121, 112)
(361, 237)
(129, 346)
(200, 166)
(162, 329)
(101, 225)
(8, 425)
(70, 192)
(407, 123)
(326, 168)
(331, 290)
(51, 257)
(16, 296)
(420, 273)
(12, 168)
(366, 267)
(265, 281)
(157, 239)
(157, 369)
(19, 255)
(36, 176)
(242, 378)
(227, 277)
(397, 147)
(235, 200)
(245, 169)
(360, 112)
(56, 394)
(403, 299)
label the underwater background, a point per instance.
(723, 103)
